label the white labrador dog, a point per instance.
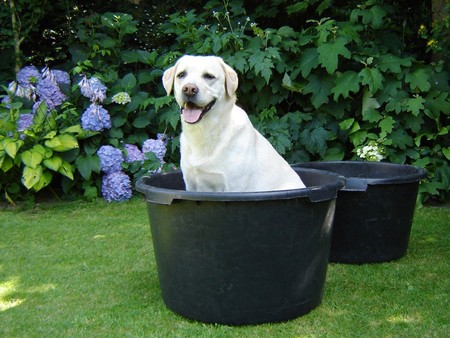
(220, 149)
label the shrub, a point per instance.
(338, 83)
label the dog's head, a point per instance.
(200, 84)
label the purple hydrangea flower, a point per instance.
(93, 89)
(47, 89)
(58, 76)
(110, 159)
(25, 121)
(133, 153)
(6, 101)
(158, 146)
(28, 76)
(95, 118)
(116, 186)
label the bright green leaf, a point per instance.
(53, 163)
(66, 170)
(44, 181)
(62, 142)
(40, 149)
(346, 124)
(31, 176)
(12, 146)
(50, 135)
(32, 158)
(446, 152)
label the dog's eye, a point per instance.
(209, 76)
(181, 75)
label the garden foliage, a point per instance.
(327, 84)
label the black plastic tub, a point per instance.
(374, 212)
(241, 258)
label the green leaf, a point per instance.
(308, 61)
(334, 154)
(31, 176)
(369, 107)
(401, 139)
(386, 126)
(32, 158)
(128, 82)
(418, 80)
(50, 135)
(392, 63)
(66, 170)
(436, 103)
(12, 146)
(371, 77)
(87, 165)
(54, 163)
(359, 137)
(346, 124)
(345, 83)
(170, 117)
(415, 105)
(314, 140)
(62, 142)
(141, 121)
(319, 88)
(446, 152)
(329, 54)
(44, 181)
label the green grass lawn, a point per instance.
(88, 270)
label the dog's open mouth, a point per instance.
(193, 113)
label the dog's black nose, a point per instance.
(190, 89)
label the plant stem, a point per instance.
(16, 28)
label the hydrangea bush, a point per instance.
(31, 112)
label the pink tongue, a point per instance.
(192, 115)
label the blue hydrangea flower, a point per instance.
(133, 153)
(26, 92)
(25, 121)
(28, 76)
(116, 187)
(95, 118)
(6, 102)
(58, 76)
(158, 146)
(93, 89)
(47, 89)
(110, 159)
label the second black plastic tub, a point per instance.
(374, 212)
(241, 258)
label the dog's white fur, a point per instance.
(222, 151)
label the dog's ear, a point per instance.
(231, 79)
(168, 78)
